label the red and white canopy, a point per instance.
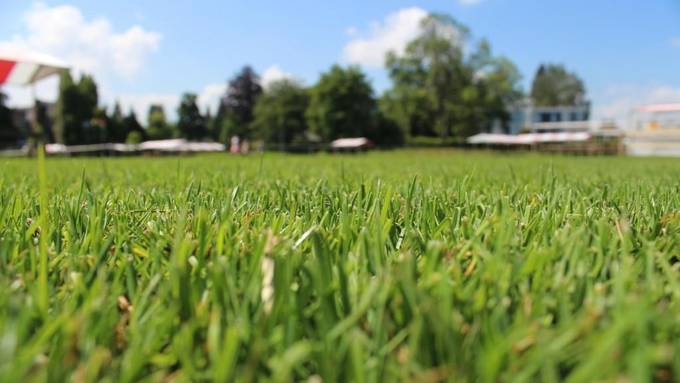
(21, 67)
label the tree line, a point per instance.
(444, 85)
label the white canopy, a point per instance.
(20, 66)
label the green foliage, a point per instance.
(554, 85)
(132, 125)
(134, 137)
(438, 90)
(387, 132)
(342, 104)
(116, 129)
(191, 124)
(498, 83)
(76, 105)
(96, 128)
(279, 116)
(389, 266)
(236, 112)
(158, 127)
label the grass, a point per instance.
(397, 266)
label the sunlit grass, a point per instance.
(411, 266)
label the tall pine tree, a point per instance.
(238, 104)
(191, 124)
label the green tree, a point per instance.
(497, 81)
(342, 104)
(554, 85)
(116, 126)
(279, 115)
(100, 125)
(238, 104)
(432, 81)
(158, 127)
(410, 108)
(76, 106)
(216, 124)
(387, 131)
(134, 138)
(67, 127)
(191, 124)
(135, 131)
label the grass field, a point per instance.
(397, 266)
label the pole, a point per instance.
(34, 117)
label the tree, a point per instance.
(498, 82)
(134, 138)
(342, 104)
(441, 88)
(191, 124)
(9, 134)
(135, 131)
(158, 127)
(116, 126)
(279, 115)
(238, 104)
(432, 82)
(216, 124)
(100, 125)
(387, 131)
(554, 85)
(76, 106)
(67, 126)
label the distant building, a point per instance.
(655, 131)
(529, 118)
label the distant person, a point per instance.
(234, 145)
(245, 147)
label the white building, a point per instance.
(529, 118)
(655, 131)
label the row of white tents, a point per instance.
(174, 146)
(528, 138)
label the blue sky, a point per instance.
(628, 52)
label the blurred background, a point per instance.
(300, 75)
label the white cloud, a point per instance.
(89, 45)
(393, 33)
(210, 96)
(621, 100)
(272, 74)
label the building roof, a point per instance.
(659, 108)
(527, 139)
(169, 146)
(350, 143)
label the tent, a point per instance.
(22, 67)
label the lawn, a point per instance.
(390, 266)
